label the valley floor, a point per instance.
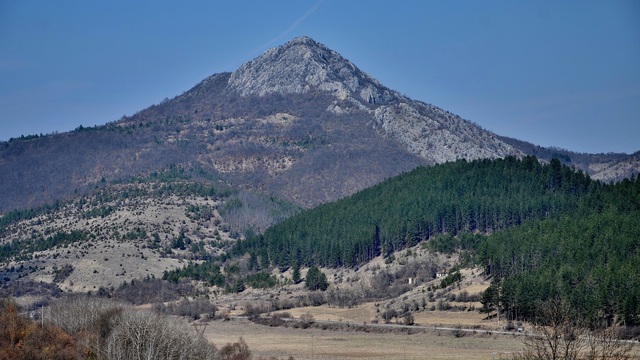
(433, 336)
(314, 343)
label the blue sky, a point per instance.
(555, 73)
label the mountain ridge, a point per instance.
(299, 122)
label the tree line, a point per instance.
(483, 196)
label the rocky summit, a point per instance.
(299, 123)
(302, 65)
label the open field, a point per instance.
(337, 343)
(282, 342)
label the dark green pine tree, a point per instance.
(295, 276)
(316, 279)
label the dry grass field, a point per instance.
(336, 343)
(365, 313)
(313, 343)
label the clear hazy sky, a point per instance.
(555, 73)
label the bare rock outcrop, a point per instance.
(439, 136)
(617, 171)
(303, 65)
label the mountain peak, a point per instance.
(303, 40)
(302, 65)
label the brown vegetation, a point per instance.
(22, 338)
(90, 328)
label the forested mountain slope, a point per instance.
(462, 196)
(591, 262)
(542, 231)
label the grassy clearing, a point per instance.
(467, 319)
(366, 313)
(361, 314)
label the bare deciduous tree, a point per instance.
(605, 343)
(118, 332)
(79, 313)
(558, 334)
(141, 335)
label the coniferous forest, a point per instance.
(542, 231)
